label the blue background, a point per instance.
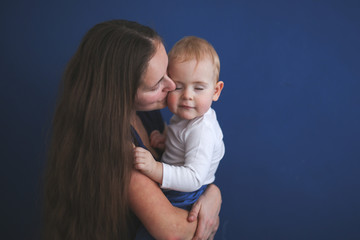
(289, 111)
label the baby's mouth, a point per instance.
(186, 107)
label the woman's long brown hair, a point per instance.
(90, 152)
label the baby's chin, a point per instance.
(185, 115)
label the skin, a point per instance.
(195, 90)
(147, 201)
(154, 89)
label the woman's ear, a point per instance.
(218, 87)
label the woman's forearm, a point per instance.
(160, 218)
(214, 192)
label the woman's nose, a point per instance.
(169, 84)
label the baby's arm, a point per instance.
(188, 177)
(145, 163)
(199, 164)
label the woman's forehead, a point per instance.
(157, 66)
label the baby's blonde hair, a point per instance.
(192, 47)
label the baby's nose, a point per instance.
(187, 94)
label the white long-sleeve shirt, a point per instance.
(193, 151)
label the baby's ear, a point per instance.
(218, 87)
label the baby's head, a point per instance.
(194, 66)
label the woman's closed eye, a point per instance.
(156, 87)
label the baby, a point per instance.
(194, 143)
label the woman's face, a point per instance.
(153, 90)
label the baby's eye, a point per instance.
(199, 88)
(178, 87)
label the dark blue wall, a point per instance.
(290, 109)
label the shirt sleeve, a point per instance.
(199, 144)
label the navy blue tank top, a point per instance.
(152, 120)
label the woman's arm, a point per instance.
(206, 212)
(160, 218)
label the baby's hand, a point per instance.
(144, 161)
(157, 140)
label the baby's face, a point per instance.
(195, 88)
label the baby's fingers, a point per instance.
(154, 134)
(154, 142)
(140, 150)
(139, 166)
(139, 157)
(161, 145)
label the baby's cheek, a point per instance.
(204, 106)
(171, 99)
(172, 102)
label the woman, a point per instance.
(91, 188)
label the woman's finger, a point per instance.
(193, 214)
(200, 231)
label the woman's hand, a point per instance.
(206, 211)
